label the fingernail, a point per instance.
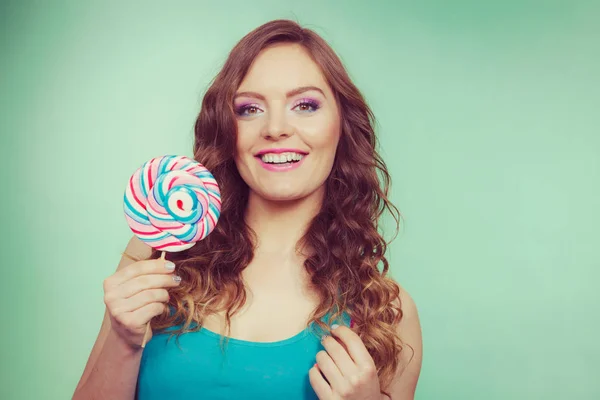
(177, 278)
(169, 265)
(323, 338)
(334, 326)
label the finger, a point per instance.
(140, 317)
(141, 299)
(340, 356)
(356, 348)
(139, 268)
(330, 371)
(145, 282)
(319, 384)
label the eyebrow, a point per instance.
(289, 94)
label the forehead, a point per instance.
(282, 67)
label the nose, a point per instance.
(276, 126)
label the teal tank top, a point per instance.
(198, 369)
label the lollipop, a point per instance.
(170, 203)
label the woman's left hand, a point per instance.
(348, 367)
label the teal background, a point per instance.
(488, 118)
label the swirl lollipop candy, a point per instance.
(170, 203)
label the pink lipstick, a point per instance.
(280, 167)
(279, 151)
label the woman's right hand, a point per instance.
(135, 294)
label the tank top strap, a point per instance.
(329, 320)
(344, 319)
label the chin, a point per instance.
(288, 193)
(282, 192)
(281, 196)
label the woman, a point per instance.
(296, 250)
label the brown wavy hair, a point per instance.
(346, 246)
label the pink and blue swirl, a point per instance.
(172, 202)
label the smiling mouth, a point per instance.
(287, 158)
(281, 162)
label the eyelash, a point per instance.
(312, 103)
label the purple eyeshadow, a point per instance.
(314, 103)
(240, 108)
(308, 100)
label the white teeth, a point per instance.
(281, 158)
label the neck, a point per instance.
(279, 225)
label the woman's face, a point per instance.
(288, 125)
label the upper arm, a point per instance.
(135, 250)
(404, 383)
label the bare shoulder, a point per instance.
(409, 328)
(404, 384)
(407, 304)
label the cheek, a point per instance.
(242, 142)
(324, 135)
(248, 132)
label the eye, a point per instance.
(308, 105)
(304, 105)
(247, 109)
